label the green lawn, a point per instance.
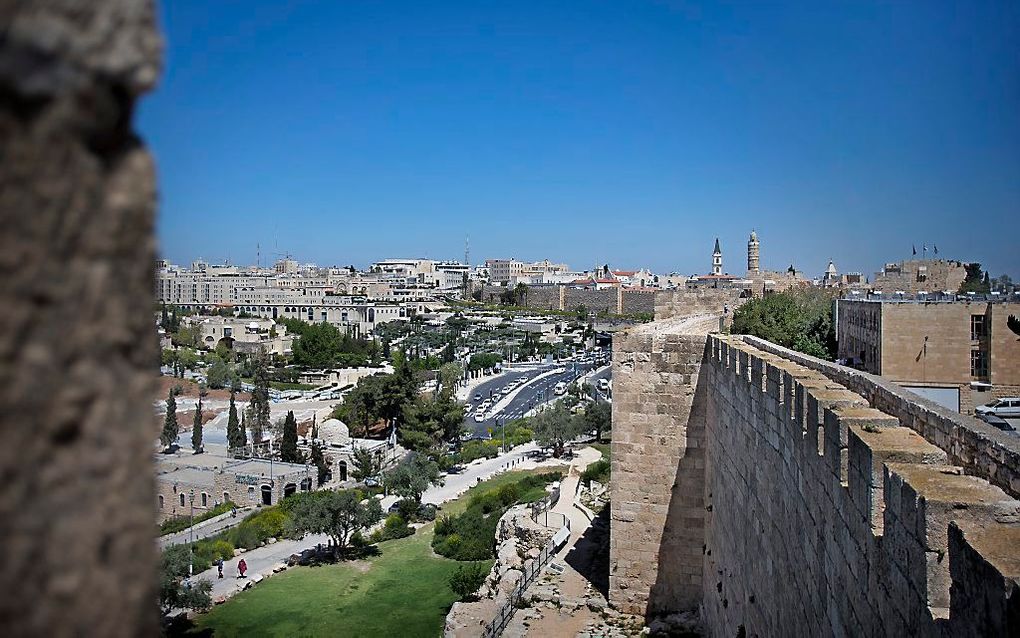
(605, 448)
(402, 592)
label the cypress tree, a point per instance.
(170, 427)
(196, 428)
(233, 436)
(242, 433)
(288, 442)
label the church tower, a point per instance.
(717, 259)
(752, 254)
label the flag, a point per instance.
(914, 248)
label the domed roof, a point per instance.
(334, 432)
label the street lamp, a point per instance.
(191, 534)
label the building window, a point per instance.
(205, 500)
(226, 497)
(160, 501)
(182, 499)
(251, 494)
(978, 327)
(978, 363)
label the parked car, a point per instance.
(1005, 407)
(999, 423)
(478, 396)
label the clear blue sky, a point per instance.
(632, 133)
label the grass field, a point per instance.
(401, 592)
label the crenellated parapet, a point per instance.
(823, 510)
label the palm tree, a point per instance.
(521, 294)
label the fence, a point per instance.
(531, 568)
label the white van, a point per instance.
(560, 388)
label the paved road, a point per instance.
(263, 559)
(531, 395)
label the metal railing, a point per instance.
(532, 568)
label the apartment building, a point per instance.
(959, 354)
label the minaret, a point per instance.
(752, 254)
(717, 259)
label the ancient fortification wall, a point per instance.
(687, 303)
(77, 200)
(558, 297)
(797, 505)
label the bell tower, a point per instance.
(716, 259)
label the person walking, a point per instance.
(242, 567)
(219, 567)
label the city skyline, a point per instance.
(349, 133)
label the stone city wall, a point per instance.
(658, 461)
(699, 301)
(567, 298)
(982, 450)
(797, 505)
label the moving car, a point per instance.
(479, 416)
(560, 388)
(478, 396)
(1006, 407)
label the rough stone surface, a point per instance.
(820, 513)
(77, 197)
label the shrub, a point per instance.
(466, 580)
(471, 535)
(597, 471)
(254, 530)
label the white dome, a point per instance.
(334, 432)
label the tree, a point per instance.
(288, 442)
(1003, 284)
(337, 514)
(365, 464)
(554, 426)
(242, 431)
(428, 423)
(187, 358)
(598, 417)
(173, 592)
(582, 313)
(413, 476)
(521, 294)
(801, 320)
(318, 459)
(170, 426)
(196, 426)
(448, 378)
(233, 427)
(186, 336)
(466, 580)
(318, 346)
(219, 373)
(258, 407)
(975, 281)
